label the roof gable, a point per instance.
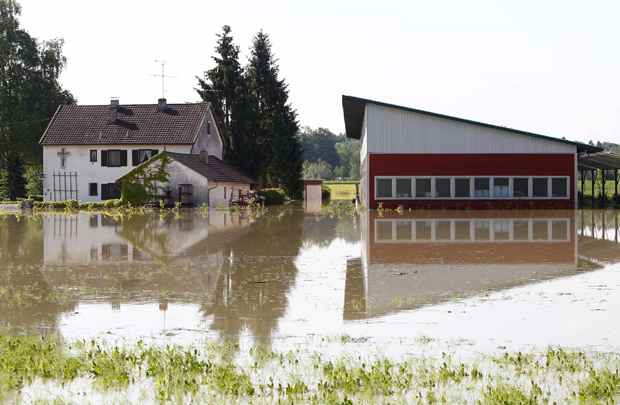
(177, 124)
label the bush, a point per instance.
(112, 203)
(273, 196)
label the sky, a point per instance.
(551, 67)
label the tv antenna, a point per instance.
(163, 76)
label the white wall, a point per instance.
(216, 192)
(211, 142)
(180, 174)
(392, 130)
(78, 161)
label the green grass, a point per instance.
(217, 373)
(587, 188)
(341, 190)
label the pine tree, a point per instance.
(275, 126)
(224, 87)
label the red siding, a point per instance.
(473, 165)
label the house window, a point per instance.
(501, 187)
(461, 188)
(481, 187)
(520, 187)
(539, 187)
(92, 189)
(423, 188)
(93, 155)
(403, 188)
(139, 156)
(384, 188)
(559, 187)
(442, 188)
(114, 158)
(110, 191)
(540, 230)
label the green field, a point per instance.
(341, 190)
(587, 190)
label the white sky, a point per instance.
(545, 66)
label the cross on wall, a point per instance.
(63, 157)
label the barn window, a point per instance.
(520, 187)
(423, 188)
(501, 187)
(442, 187)
(521, 230)
(540, 230)
(384, 230)
(423, 230)
(559, 187)
(482, 230)
(482, 187)
(403, 188)
(461, 188)
(384, 188)
(403, 230)
(540, 187)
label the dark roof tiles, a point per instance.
(137, 124)
(215, 170)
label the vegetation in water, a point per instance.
(217, 372)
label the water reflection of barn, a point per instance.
(429, 257)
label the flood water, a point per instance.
(475, 281)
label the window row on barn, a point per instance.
(475, 187)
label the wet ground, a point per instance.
(427, 282)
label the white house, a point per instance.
(87, 148)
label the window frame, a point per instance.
(90, 189)
(491, 178)
(494, 227)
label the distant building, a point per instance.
(420, 159)
(87, 148)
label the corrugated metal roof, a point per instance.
(354, 109)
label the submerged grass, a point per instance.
(215, 373)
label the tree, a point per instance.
(34, 180)
(29, 87)
(349, 152)
(275, 125)
(319, 144)
(12, 181)
(225, 88)
(317, 170)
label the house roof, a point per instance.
(214, 170)
(136, 124)
(355, 107)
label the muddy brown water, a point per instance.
(478, 280)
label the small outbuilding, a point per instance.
(191, 179)
(420, 159)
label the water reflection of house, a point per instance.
(142, 257)
(412, 260)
